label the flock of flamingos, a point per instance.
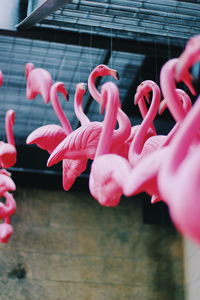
(127, 160)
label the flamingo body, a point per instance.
(105, 181)
(39, 81)
(48, 137)
(180, 171)
(8, 155)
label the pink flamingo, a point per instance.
(180, 171)
(141, 145)
(7, 209)
(103, 70)
(143, 177)
(48, 137)
(1, 78)
(178, 178)
(82, 142)
(8, 153)
(39, 81)
(6, 230)
(124, 138)
(106, 166)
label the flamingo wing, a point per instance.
(81, 143)
(72, 168)
(47, 137)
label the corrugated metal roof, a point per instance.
(176, 20)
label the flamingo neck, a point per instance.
(59, 111)
(92, 88)
(110, 120)
(143, 111)
(9, 123)
(124, 130)
(169, 90)
(187, 133)
(79, 109)
(138, 142)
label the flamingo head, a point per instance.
(81, 88)
(187, 59)
(103, 70)
(28, 68)
(59, 87)
(1, 78)
(144, 90)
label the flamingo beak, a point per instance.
(85, 87)
(114, 74)
(138, 97)
(162, 106)
(189, 57)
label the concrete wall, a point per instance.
(192, 270)
(67, 246)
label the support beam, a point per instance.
(41, 12)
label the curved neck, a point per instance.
(185, 99)
(143, 111)
(79, 109)
(92, 88)
(138, 142)
(168, 88)
(59, 87)
(124, 130)
(187, 133)
(111, 97)
(9, 123)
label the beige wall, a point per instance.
(68, 247)
(192, 270)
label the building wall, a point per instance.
(67, 246)
(192, 270)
